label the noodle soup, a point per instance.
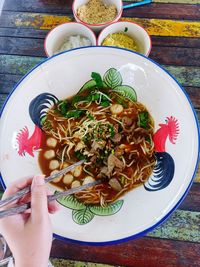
(112, 133)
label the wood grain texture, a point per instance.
(169, 55)
(153, 10)
(20, 65)
(182, 225)
(143, 252)
(175, 56)
(33, 33)
(160, 27)
(167, 27)
(166, 11)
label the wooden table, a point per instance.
(175, 30)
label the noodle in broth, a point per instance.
(113, 135)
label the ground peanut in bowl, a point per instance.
(96, 12)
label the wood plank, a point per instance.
(34, 33)
(22, 46)
(45, 6)
(182, 226)
(31, 20)
(20, 65)
(7, 82)
(167, 27)
(175, 56)
(143, 252)
(166, 11)
(158, 27)
(156, 40)
(173, 41)
(192, 200)
(62, 7)
(178, 1)
(163, 55)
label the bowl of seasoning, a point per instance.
(126, 35)
(97, 14)
(68, 36)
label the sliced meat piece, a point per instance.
(114, 183)
(113, 162)
(117, 138)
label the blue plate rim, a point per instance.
(142, 233)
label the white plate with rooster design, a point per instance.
(176, 140)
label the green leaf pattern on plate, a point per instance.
(112, 78)
(82, 216)
(127, 91)
(71, 202)
(107, 211)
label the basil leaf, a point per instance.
(79, 155)
(97, 77)
(105, 103)
(143, 119)
(76, 113)
(63, 107)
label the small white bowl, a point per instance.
(57, 36)
(134, 30)
(98, 27)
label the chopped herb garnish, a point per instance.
(76, 113)
(111, 130)
(126, 29)
(89, 115)
(76, 99)
(105, 103)
(79, 155)
(143, 119)
(63, 107)
(97, 77)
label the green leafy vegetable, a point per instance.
(126, 29)
(76, 99)
(143, 119)
(111, 130)
(88, 85)
(105, 103)
(89, 115)
(97, 78)
(76, 113)
(63, 107)
(79, 155)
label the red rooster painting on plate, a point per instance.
(37, 111)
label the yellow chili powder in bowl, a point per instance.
(126, 35)
(122, 40)
(97, 14)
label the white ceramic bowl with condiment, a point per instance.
(138, 33)
(100, 26)
(57, 36)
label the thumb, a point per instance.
(39, 208)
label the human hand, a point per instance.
(29, 235)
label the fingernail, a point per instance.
(38, 180)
